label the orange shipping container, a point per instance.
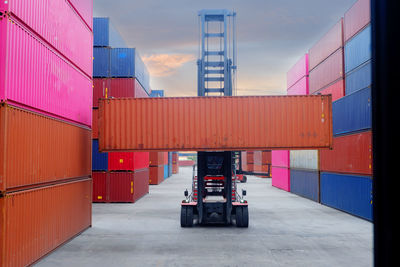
(215, 123)
(95, 127)
(36, 221)
(35, 149)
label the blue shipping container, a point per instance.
(305, 183)
(99, 160)
(352, 113)
(157, 93)
(166, 171)
(101, 62)
(105, 34)
(358, 50)
(359, 78)
(126, 62)
(349, 193)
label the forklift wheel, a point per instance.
(183, 216)
(186, 216)
(242, 216)
(244, 179)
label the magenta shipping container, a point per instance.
(84, 9)
(280, 158)
(281, 178)
(356, 18)
(328, 72)
(56, 22)
(327, 45)
(298, 71)
(299, 88)
(34, 76)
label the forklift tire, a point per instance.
(239, 216)
(244, 179)
(183, 216)
(245, 216)
(189, 216)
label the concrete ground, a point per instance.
(284, 230)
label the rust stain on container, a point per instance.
(35, 149)
(36, 221)
(215, 123)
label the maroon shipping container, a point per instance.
(266, 157)
(350, 154)
(328, 72)
(140, 183)
(250, 157)
(327, 45)
(250, 167)
(116, 87)
(100, 187)
(34, 222)
(95, 123)
(127, 161)
(156, 158)
(156, 174)
(336, 90)
(356, 18)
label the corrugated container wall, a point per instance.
(100, 187)
(301, 87)
(298, 71)
(359, 78)
(327, 45)
(95, 122)
(304, 159)
(169, 123)
(39, 78)
(337, 90)
(156, 174)
(35, 222)
(57, 23)
(105, 34)
(85, 9)
(356, 18)
(281, 178)
(358, 50)
(36, 149)
(101, 62)
(128, 161)
(305, 183)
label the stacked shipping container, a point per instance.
(256, 162)
(117, 176)
(157, 163)
(340, 64)
(44, 91)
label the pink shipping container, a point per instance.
(327, 45)
(85, 10)
(328, 72)
(299, 88)
(281, 178)
(280, 158)
(356, 18)
(298, 71)
(33, 76)
(336, 90)
(56, 22)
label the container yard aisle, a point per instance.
(284, 230)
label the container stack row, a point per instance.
(257, 162)
(341, 177)
(175, 162)
(118, 72)
(158, 167)
(45, 125)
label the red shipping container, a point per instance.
(328, 72)
(116, 88)
(266, 157)
(298, 71)
(95, 123)
(175, 168)
(244, 160)
(336, 90)
(350, 154)
(156, 158)
(186, 163)
(100, 187)
(250, 157)
(327, 45)
(121, 187)
(128, 161)
(165, 158)
(34, 222)
(141, 183)
(156, 174)
(356, 18)
(257, 168)
(175, 157)
(250, 167)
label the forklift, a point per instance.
(214, 198)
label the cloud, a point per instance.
(162, 65)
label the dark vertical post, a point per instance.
(385, 107)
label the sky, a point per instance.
(271, 36)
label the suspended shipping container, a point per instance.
(105, 34)
(356, 18)
(298, 71)
(351, 154)
(352, 113)
(34, 222)
(305, 183)
(56, 23)
(358, 50)
(327, 45)
(349, 193)
(210, 123)
(37, 77)
(36, 149)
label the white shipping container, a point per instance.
(304, 159)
